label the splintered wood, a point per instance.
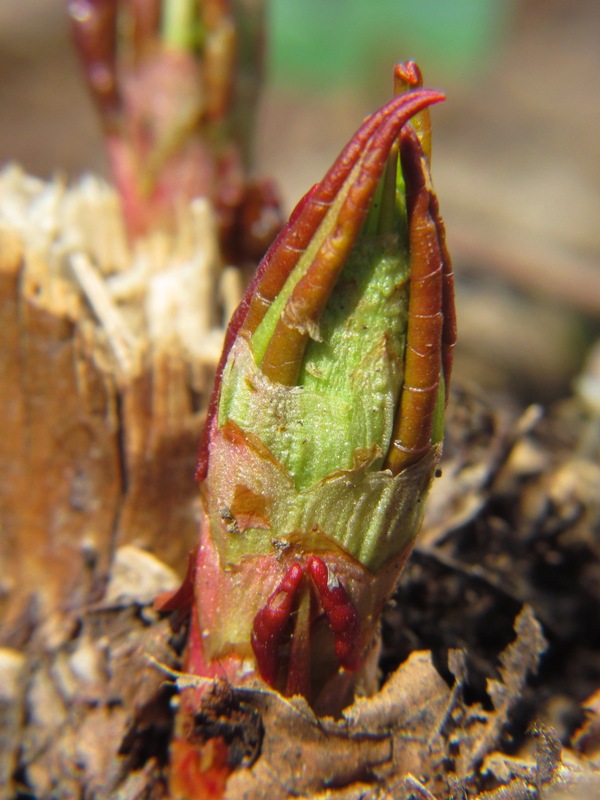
(107, 354)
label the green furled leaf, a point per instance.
(350, 378)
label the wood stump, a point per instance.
(107, 356)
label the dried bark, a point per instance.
(106, 359)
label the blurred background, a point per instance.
(516, 156)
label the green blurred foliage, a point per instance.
(329, 43)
